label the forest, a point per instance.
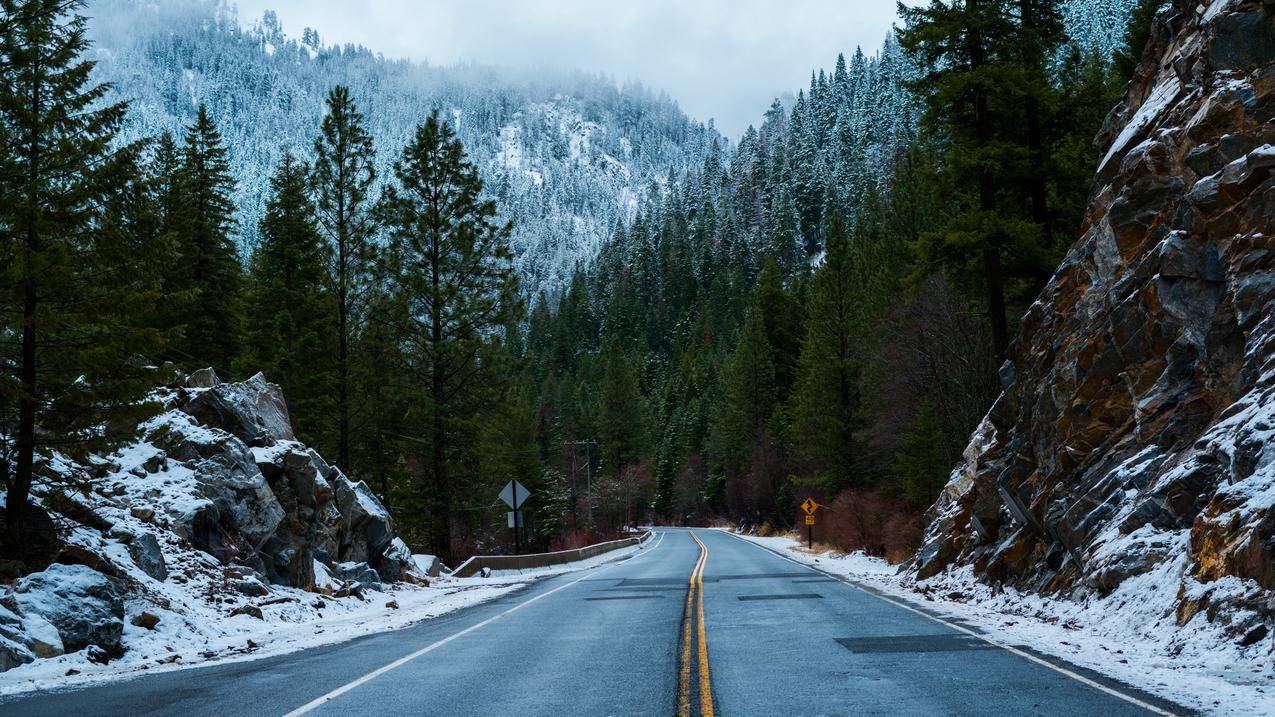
(819, 310)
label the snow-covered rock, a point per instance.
(213, 511)
(84, 606)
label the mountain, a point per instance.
(1130, 454)
(568, 156)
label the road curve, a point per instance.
(698, 622)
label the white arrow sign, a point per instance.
(514, 494)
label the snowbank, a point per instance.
(1130, 635)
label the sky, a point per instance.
(719, 59)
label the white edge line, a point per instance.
(324, 699)
(1010, 648)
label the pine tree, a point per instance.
(290, 336)
(826, 407)
(921, 466)
(450, 267)
(71, 261)
(1137, 35)
(968, 52)
(210, 266)
(344, 173)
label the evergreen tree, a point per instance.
(450, 267)
(1137, 35)
(71, 264)
(921, 466)
(290, 336)
(969, 54)
(209, 265)
(344, 172)
(826, 410)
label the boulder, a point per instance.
(84, 605)
(43, 636)
(361, 573)
(145, 620)
(13, 654)
(203, 378)
(428, 565)
(244, 510)
(253, 411)
(395, 562)
(144, 549)
(15, 645)
(366, 526)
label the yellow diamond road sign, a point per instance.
(810, 506)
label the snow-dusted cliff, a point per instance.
(1130, 457)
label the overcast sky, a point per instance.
(720, 59)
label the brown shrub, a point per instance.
(868, 521)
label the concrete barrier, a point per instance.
(475, 565)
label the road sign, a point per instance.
(514, 494)
(810, 506)
(515, 521)
(810, 520)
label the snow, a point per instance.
(200, 636)
(1130, 635)
(1164, 93)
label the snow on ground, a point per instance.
(195, 634)
(308, 620)
(1130, 635)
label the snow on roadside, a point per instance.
(200, 637)
(192, 639)
(1130, 635)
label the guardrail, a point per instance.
(474, 565)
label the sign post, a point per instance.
(515, 494)
(810, 506)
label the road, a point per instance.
(698, 623)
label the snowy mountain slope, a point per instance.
(567, 156)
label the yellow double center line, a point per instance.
(693, 623)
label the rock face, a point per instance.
(1138, 416)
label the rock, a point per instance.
(239, 506)
(203, 378)
(352, 588)
(428, 565)
(144, 549)
(367, 529)
(43, 636)
(253, 411)
(97, 655)
(251, 587)
(1241, 41)
(145, 620)
(1138, 426)
(84, 605)
(250, 610)
(358, 572)
(13, 654)
(392, 604)
(143, 513)
(396, 561)
(1254, 636)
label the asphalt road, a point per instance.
(697, 623)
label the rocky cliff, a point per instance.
(215, 511)
(1134, 433)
